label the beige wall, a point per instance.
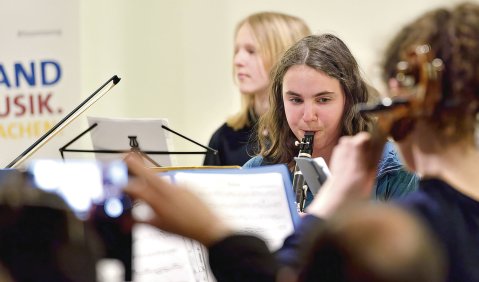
(174, 56)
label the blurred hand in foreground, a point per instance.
(353, 172)
(177, 210)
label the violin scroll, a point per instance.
(415, 92)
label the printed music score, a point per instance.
(162, 256)
(250, 203)
(256, 201)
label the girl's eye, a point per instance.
(295, 100)
(323, 99)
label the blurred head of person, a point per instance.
(371, 243)
(41, 237)
(451, 35)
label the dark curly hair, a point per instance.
(453, 35)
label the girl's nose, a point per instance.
(239, 58)
(309, 113)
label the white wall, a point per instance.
(174, 56)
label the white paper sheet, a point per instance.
(112, 134)
(251, 203)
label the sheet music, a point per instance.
(251, 203)
(162, 256)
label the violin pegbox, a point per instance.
(419, 78)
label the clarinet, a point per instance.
(299, 186)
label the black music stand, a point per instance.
(135, 147)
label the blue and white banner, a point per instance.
(39, 71)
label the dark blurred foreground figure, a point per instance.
(373, 243)
(41, 239)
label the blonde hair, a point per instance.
(274, 33)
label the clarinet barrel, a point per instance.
(299, 185)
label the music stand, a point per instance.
(145, 137)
